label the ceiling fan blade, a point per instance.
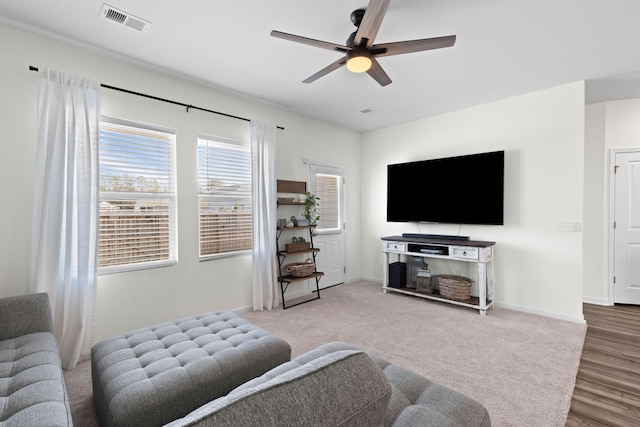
(326, 70)
(378, 73)
(310, 42)
(409, 46)
(371, 21)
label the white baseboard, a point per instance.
(367, 279)
(596, 301)
(579, 319)
(242, 310)
(290, 296)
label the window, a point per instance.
(327, 187)
(224, 195)
(137, 197)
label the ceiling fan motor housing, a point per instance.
(351, 39)
(356, 16)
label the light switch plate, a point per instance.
(570, 226)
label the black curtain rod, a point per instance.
(188, 106)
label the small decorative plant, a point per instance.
(311, 208)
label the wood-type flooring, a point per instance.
(607, 390)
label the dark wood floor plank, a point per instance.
(607, 390)
(624, 320)
(604, 403)
(599, 389)
(619, 367)
(619, 335)
(602, 413)
(625, 349)
(574, 420)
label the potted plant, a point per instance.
(311, 208)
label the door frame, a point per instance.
(612, 202)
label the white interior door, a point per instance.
(627, 228)
(327, 182)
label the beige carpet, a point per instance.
(522, 367)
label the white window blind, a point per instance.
(328, 188)
(137, 197)
(224, 193)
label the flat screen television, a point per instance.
(454, 190)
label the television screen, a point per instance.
(454, 190)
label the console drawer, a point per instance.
(395, 246)
(464, 252)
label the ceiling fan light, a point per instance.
(358, 62)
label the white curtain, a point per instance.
(65, 223)
(265, 266)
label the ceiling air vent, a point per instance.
(112, 14)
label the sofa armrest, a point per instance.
(25, 314)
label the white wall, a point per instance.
(610, 125)
(128, 300)
(538, 268)
(595, 243)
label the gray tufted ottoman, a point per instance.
(154, 375)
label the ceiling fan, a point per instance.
(360, 52)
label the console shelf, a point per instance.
(478, 252)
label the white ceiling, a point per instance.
(504, 48)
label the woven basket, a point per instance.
(455, 287)
(300, 269)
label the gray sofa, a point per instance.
(339, 385)
(32, 389)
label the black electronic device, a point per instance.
(435, 236)
(454, 190)
(397, 274)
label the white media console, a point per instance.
(450, 249)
